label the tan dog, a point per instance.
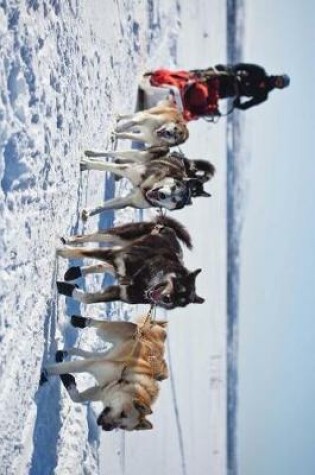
(127, 374)
(160, 125)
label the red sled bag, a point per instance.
(200, 98)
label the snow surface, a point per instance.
(66, 69)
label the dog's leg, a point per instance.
(114, 332)
(97, 153)
(110, 294)
(98, 269)
(76, 366)
(84, 354)
(120, 117)
(135, 199)
(132, 155)
(127, 170)
(100, 236)
(128, 155)
(128, 124)
(75, 272)
(81, 252)
(90, 394)
(130, 135)
(124, 156)
(93, 164)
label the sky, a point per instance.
(277, 326)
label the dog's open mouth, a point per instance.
(155, 294)
(160, 294)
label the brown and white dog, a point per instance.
(127, 374)
(160, 125)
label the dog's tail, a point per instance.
(180, 231)
(205, 166)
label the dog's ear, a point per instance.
(162, 323)
(198, 299)
(205, 194)
(143, 408)
(144, 424)
(195, 273)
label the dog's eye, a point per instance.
(106, 410)
(123, 415)
(166, 298)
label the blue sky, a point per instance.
(277, 321)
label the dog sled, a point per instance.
(150, 94)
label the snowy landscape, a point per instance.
(67, 69)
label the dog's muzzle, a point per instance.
(165, 133)
(107, 427)
(156, 195)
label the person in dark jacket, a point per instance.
(201, 89)
(249, 80)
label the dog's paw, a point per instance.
(89, 153)
(113, 136)
(62, 251)
(68, 380)
(43, 378)
(65, 289)
(79, 322)
(63, 240)
(85, 215)
(83, 166)
(60, 355)
(73, 273)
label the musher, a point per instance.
(201, 89)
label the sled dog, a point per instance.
(160, 179)
(160, 125)
(149, 268)
(127, 374)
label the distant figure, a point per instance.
(201, 89)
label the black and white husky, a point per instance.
(146, 260)
(160, 178)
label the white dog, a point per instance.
(160, 125)
(127, 374)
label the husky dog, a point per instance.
(160, 125)
(159, 179)
(149, 268)
(125, 234)
(126, 374)
(202, 170)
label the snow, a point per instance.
(66, 69)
